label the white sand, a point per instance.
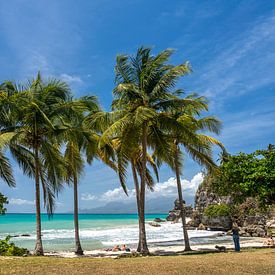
(160, 250)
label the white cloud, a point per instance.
(167, 189)
(14, 201)
(88, 197)
(71, 79)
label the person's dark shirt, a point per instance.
(235, 231)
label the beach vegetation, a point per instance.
(247, 175)
(8, 248)
(217, 210)
(3, 200)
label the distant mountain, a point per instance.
(163, 205)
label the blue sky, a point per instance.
(230, 45)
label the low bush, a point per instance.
(217, 210)
(8, 248)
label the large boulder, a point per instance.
(223, 223)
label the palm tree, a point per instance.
(5, 166)
(133, 156)
(144, 89)
(38, 111)
(79, 139)
(7, 99)
(186, 130)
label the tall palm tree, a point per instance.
(144, 88)
(185, 130)
(79, 139)
(38, 111)
(82, 129)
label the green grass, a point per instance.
(258, 261)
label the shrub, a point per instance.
(217, 210)
(8, 248)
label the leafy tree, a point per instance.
(3, 200)
(8, 248)
(34, 112)
(248, 175)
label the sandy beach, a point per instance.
(161, 250)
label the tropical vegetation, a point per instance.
(51, 135)
(3, 200)
(8, 248)
(248, 175)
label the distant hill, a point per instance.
(153, 206)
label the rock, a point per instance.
(25, 235)
(195, 219)
(205, 197)
(174, 215)
(222, 222)
(14, 236)
(155, 224)
(159, 220)
(201, 227)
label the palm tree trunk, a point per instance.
(38, 246)
(78, 248)
(143, 242)
(137, 199)
(182, 210)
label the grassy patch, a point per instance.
(259, 261)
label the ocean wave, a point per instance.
(128, 234)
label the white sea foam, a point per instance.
(127, 234)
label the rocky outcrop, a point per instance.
(222, 223)
(205, 197)
(253, 226)
(251, 221)
(174, 214)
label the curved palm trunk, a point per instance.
(38, 246)
(78, 248)
(137, 199)
(182, 210)
(143, 242)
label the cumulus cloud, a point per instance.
(71, 79)
(14, 201)
(167, 189)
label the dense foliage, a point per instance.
(3, 200)
(8, 248)
(248, 175)
(217, 210)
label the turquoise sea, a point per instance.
(96, 231)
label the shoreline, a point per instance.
(163, 250)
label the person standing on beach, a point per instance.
(236, 237)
